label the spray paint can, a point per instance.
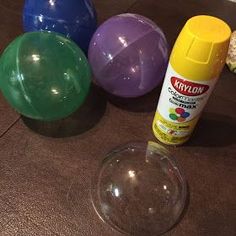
(196, 62)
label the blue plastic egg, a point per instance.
(76, 19)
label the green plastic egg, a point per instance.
(44, 76)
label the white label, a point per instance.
(181, 99)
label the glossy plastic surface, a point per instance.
(139, 189)
(76, 19)
(44, 76)
(128, 54)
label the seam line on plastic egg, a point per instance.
(21, 81)
(57, 20)
(132, 42)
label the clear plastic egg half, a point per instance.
(139, 189)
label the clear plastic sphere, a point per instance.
(139, 190)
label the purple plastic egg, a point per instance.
(128, 55)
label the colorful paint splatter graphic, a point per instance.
(178, 114)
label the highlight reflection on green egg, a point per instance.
(44, 76)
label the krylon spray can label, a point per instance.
(180, 105)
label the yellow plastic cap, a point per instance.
(200, 50)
